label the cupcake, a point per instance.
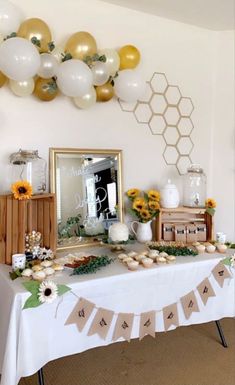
(49, 271)
(201, 249)
(170, 258)
(27, 273)
(133, 265)
(46, 263)
(127, 259)
(122, 256)
(210, 248)
(57, 267)
(36, 268)
(132, 254)
(221, 248)
(147, 262)
(39, 275)
(161, 259)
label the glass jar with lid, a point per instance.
(28, 165)
(194, 187)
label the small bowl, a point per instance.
(201, 249)
(210, 248)
(133, 265)
(147, 262)
(221, 248)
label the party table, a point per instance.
(32, 337)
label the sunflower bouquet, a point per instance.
(210, 206)
(145, 205)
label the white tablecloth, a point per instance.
(30, 338)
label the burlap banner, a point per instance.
(205, 290)
(80, 313)
(123, 326)
(220, 273)
(124, 323)
(101, 323)
(170, 316)
(189, 304)
(147, 324)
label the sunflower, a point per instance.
(154, 195)
(145, 215)
(210, 203)
(154, 205)
(22, 190)
(48, 292)
(139, 204)
(133, 193)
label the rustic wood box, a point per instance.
(180, 233)
(191, 233)
(184, 216)
(168, 232)
(20, 217)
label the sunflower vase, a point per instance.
(142, 231)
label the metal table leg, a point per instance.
(221, 334)
(40, 377)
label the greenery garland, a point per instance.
(93, 265)
(174, 250)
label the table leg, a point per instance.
(40, 377)
(221, 334)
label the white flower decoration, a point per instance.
(48, 292)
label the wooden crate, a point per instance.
(20, 217)
(184, 215)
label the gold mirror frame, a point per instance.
(55, 152)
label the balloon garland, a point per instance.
(34, 65)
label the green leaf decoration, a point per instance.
(51, 45)
(66, 56)
(13, 34)
(32, 301)
(62, 289)
(226, 261)
(103, 58)
(32, 286)
(36, 41)
(210, 211)
(93, 265)
(174, 250)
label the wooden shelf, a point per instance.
(20, 217)
(184, 215)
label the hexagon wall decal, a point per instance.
(166, 112)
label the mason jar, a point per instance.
(28, 165)
(194, 187)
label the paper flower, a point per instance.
(47, 292)
(154, 205)
(139, 204)
(145, 214)
(22, 190)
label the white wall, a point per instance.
(185, 53)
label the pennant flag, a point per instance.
(80, 314)
(123, 326)
(220, 273)
(147, 324)
(189, 304)
(101, 323)
(205, 290)
(170, 316)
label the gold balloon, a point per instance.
(104, 93)
(44, 91)
(129, 57)
(3, 79)
(80, 45)
(36, 28)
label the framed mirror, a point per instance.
(88, 187)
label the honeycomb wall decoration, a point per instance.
(166, 112)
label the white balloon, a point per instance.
(74, 78)
(87, 100)
(10, 17)
(112, 60)
(129, 86)
(22, 88)
(48, 67)
(58, 52)
(19, 59)
(100, 73)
